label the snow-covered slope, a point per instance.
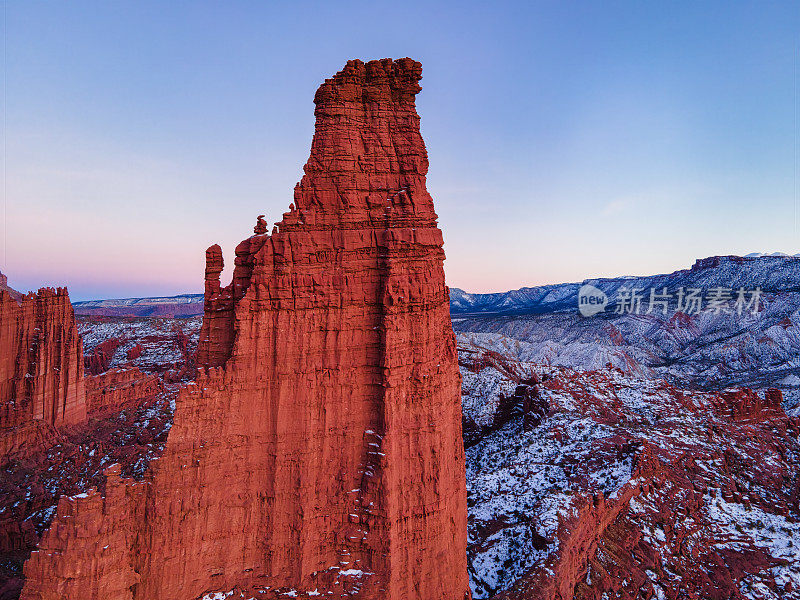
(772, 273)
(627, 487)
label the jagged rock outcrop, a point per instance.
(134, 352)
(320, 452)
(4, 286)
(746, 404)
(216, 335)
(523, 400)
(32, 484)
(41, 368)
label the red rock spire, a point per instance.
(320, 450)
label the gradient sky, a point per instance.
(567, 139)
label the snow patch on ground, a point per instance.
(739, 527)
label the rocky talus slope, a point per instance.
(319, 453)
(34, 482)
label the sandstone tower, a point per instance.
(320, 450)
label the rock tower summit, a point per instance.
(320, 449)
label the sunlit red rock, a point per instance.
(118, 388)
(41, 368)
(99, 359)
(134, 352)
(320, 453)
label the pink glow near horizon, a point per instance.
(565, 142)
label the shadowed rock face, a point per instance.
(320, 449)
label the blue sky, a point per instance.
(566, 139)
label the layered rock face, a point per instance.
(41, 368)
(117, 388)
(320, 451)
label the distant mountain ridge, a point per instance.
(182, 305)
(756, 346)
(770, 272)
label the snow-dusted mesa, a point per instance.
(181, 306)
(601, 484)
(776, 254)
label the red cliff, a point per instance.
(41, 368)
(320, 451)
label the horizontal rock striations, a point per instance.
(320, 451)
(41, 368)
(119, 388)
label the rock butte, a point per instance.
(320, 450)
(4, 286)
(41, 368)
(42, 383)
